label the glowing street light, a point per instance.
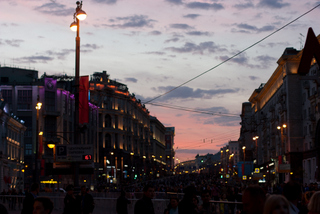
(75, 25)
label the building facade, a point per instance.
(12, 133)
(284, 119)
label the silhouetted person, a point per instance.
(206, 207)
(293, 192)
(122, 204)
(253, 200)
(70, 202)
(42, 205)
(85, 200)
(29, 199)
(145, 205)
(186, 205)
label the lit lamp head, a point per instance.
(51, 144)
(243, 147)
(284, 125)
(81, 15)
(38, 106)
(74, 26)
(279, 127)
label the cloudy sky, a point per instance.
(153, 46)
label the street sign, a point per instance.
(74, 153)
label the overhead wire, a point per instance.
(235, 55)
(194, 110)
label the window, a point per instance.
(7, 96)
(108, 141)
(50, 100)
(24, 99)
(28, 149)
(107, 121)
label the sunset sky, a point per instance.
(153, 46)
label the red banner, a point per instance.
(42, 167)
(280, 159)
(83, 100)
(242, 169)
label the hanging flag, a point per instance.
(40, 146)
(83, 100)
(280, 159)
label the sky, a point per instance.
(153, 46)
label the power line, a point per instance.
(254, 44)
(194, 110)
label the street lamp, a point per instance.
(244, 153)
(36, 173)
(75, 25)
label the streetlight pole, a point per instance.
(244, 153)
(77, 16)
(36, 171)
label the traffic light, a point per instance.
(201, 160)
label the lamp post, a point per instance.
(244, 153)
(78, 16)
(36, 167)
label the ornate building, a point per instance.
(284, 118)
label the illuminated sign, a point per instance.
(244, 177)
(86, 157)
(227, 176)
(256, 170)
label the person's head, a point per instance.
(83, 190)
(276, 204)
(148, 191)
(35, 188)
(205, 196)
(70, 189)
(314, 203)
(42, 205)
(253, 199)
(189, 192)
(174, 201)
(292, 191)
(195, 200)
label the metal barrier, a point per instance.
(108, 205)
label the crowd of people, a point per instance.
(187, 194)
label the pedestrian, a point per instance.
(70, 202)
(276, 204)
(3, 209)
(253, 199)
(186, 205)
(145, 205)
(206, 207)
(293, 192)
(85, 201)
(42, 205)
(29, 199)
(173, 206)
(314, 203)
(122, 203)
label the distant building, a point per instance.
(170, 153)
(12, 165)
(158, 149)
